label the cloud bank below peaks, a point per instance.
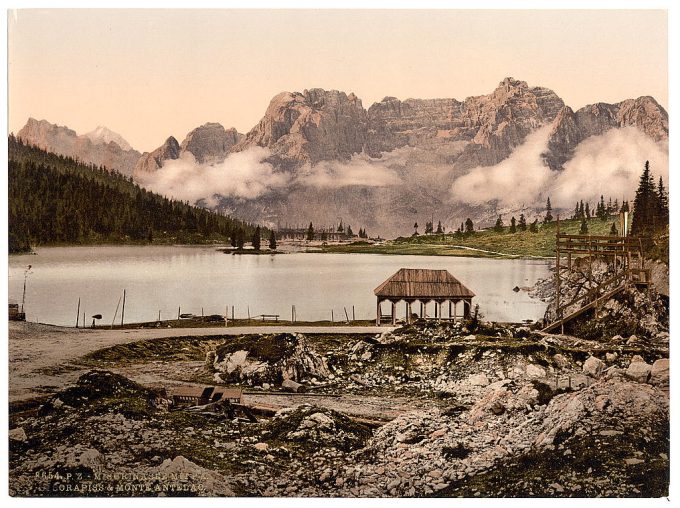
(248, 175)
(609, 165)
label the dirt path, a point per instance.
(40, 355)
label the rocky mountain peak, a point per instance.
(103, 135)
(570, 128)
(64, 141)
(150, 162)
(311, 126)
(211, 142)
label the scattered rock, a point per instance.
(593, 367)
(535, 371)
(659, 374)
(478, 379)
(561, 361)
(18, 434)
(289, 385)
(639, 371)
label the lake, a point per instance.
(192, 278)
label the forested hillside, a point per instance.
(59, 200)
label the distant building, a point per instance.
(319, 235)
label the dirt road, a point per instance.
(40, 356)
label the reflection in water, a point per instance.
(194, 278)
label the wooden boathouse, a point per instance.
(424, 286)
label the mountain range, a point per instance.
(426, 143)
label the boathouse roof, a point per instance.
(419, 283)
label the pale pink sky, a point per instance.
(148, 74)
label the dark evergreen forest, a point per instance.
(59, 200)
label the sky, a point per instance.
(149, 74)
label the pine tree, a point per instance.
(310, 231)
(256, 238)
(522, 224)
(662, 199)
(513, 225)
(613, 231)
(587, 211)
(581, 211)
(349, 230)
(533, 227)
(469, 227)
(576, 212)
(498, 228)
(440, 230)
(415, 227)
(645, 205)
(272, 240)
(584, 227)
(548, 212)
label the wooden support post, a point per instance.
(377, 314)
(455, 305)
(232, 312)
(557, 271)
(394, 313)
(226, 315)
(346, 315)
(353, 316)
(179, 312)
(450, 316)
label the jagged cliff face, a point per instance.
(481, 131)
(570, 128)
(99, 148)
(310, 127)
(427, 143)
(150, 162)
(210, 143)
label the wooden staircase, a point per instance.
(626, 251)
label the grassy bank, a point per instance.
(484, 243)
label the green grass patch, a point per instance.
(489, 243)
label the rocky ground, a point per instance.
(474, 409)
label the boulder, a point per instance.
(561, 361)
(659, 374)
(18, 434)
(534, 371)
(611, 357)
(639, 371)
(289, 385)
(593, 367)
(478, 379)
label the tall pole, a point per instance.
(78, 313)
(122, 312)
(23, 298)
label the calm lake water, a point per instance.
(165, 278)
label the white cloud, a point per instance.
(609, 165)
(361, 171)
(242, 174)
(518, 179)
